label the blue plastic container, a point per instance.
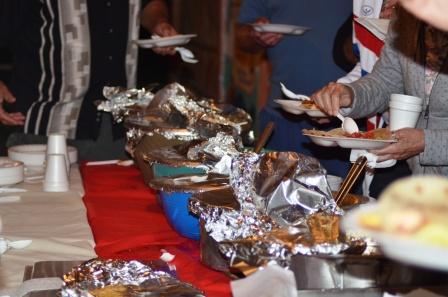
(175, 192)
(175, 206)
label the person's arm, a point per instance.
(155, 19)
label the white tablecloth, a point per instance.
(55, 222)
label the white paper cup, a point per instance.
(58, 145)
(56, 178)
(406, 99)
(403, 115)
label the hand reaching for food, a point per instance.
(332, 97)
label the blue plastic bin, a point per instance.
(175, 206)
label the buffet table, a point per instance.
(55, 222)
(127, 223)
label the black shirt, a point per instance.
(31, 29)
(108, 22)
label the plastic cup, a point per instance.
(406, 99)
(403, 115)
(56, 178)
(57, 144)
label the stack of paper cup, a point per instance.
(58, 145)
(404, 111)
(56, 177)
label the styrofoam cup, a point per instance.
(403, 115)
(56, 177)
(406, 99)
(57, 144)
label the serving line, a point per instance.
(55, 222)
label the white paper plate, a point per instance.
(351, 143)
(399, 248)
(295, 107)
(165, 41)
(11, 172)
(34, 154)
(280, 28)
(289, 105)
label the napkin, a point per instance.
(6, 244)
(371, 159)
(272, 280)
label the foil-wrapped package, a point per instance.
(215, 148)
(123, 278)
(177, 105)
(120, 102)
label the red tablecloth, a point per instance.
(127, 223)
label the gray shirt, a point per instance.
(401, 70)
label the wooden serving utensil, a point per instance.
(350, 179)
(261, 142)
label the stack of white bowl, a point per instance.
(404, 111)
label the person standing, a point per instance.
(64, 53)
(302, 63)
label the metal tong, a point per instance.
(352, 176)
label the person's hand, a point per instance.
(265, 39)
(10, 119)
(411, 142)
(332, 97)
(432, 11)
(164, 29)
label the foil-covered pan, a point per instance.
(123, 278)
(190, 183)
(175, 156)
(359, 271)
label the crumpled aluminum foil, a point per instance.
(139, 279)
(215, 148)
(120, 100)
(277, 192)
(204, 116)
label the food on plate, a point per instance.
(377, 134)
(309, 104)
(338, 132)
(415, 207)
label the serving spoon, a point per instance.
(293, 95)
(348, 124)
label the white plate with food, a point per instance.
(300, 107)
(371, 140)
(410, 221)
(291, 106)
(280, 28)
(165, 41)
(401, 248)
